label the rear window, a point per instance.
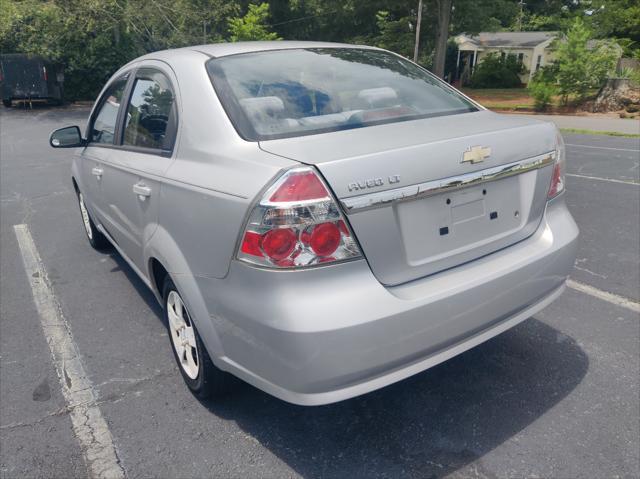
(285, 93)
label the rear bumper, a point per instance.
(327, 334)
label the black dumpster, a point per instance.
(28, 78)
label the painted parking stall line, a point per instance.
(601, 147)
(604, 295)
(610, 180)
(89, 426)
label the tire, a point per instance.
(7, 103)
(96, 239)
(198, 371)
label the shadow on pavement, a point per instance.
(426, 426)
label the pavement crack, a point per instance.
(590, 272)
(18, 425)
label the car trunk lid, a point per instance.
(415, 206)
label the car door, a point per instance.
(132, 176)
(101, 136)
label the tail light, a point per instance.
(559, 167)
(45, 76)
(297, 223)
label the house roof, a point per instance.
(507, 39)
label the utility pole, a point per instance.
(522, 4)
(417, 44)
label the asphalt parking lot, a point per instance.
(557, 396)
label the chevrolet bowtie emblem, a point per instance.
(476, 154)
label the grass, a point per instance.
(501, 98)
(504, 106)
(497, 93)
(597, 132)
(513, 99)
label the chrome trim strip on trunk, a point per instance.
(430, 188)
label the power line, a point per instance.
(308, 17)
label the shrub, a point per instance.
(542, 92)
(495, 71)
(580, 67)
(629, 74)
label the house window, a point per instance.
(520, 57)
(538, 62)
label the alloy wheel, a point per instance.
(182, 335)
(85, 216)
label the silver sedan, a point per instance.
(320, 220)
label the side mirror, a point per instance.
(68, 137)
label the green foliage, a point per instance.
(580, 68)
(632, 74)
(495, 71)
(394, 35)
(618, 19)
(542, 90)
(543, 23)
(162, 24)
(474, 16)
(80, 35)
(252, 26)
(92, 38)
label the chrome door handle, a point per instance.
(141, 190)
(97, 172)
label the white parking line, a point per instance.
(602, 147)
(89, 425)
(604, 295)
(611, 180)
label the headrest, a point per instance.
(382, 96)
(262, 105)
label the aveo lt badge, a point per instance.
(373, 182)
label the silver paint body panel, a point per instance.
(325, 334)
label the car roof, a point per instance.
(234, 48)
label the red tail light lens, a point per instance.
(325, 239)
(303, 186)
(296, 224)
(557, 178)
(251, 243)
(557, 181)
(279, 244)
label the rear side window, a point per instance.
(104, 126)
(294, 92)
(150, 118)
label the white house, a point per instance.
(531, 48)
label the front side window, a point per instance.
(104, 126)
(284, 93)
(150, 112)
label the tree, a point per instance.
(93, 38)
(619, 19)
(443, 12)
(83, 36)
(469, 16)
(579, 67)
(394, 35)
(253, 26)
